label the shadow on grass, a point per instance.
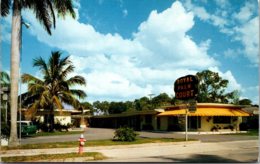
(203, 158)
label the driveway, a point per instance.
(102, 133)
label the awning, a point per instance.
(207, 112)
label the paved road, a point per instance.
(210, 152)
(222, 152)
(100, 133)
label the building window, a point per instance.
(148, 119)
(222, 120)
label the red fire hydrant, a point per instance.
(81, 143)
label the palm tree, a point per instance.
(54, 90)
(5, 86)
(4, 79)
(44, 12)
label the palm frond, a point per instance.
(67, 70)
(5, 7)
(64, 7)
(4, 78)
(27, 78)
(76, 80)
(39, 62)
(41, 10)
(79, 93)
(57, 102)
(69, 99)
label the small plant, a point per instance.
(125, 134)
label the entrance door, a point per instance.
(194, 122)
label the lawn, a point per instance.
(254, 132)
(94, 143)
(35, 158)
(57, 133)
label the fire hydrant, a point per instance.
(81, 143)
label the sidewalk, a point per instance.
(29, 152)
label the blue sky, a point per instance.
(127, 49)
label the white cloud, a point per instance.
(248, 34)
(124, 69)
(6, 23)
(252, 93)
(245, 12)
(242, 26)
(125, 13)
(222, 3)
(233, 84)
(232, 53)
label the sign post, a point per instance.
(186, 88)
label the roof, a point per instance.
(207, 112)
(127, 114)
(206, 109)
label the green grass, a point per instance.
(56, 133)
(35, 158)
(254, 132)
(94, 143)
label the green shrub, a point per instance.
(125, 134)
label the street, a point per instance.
(210, 147)
(102, 133)
(222, 152)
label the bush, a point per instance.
(5, 130)
(243, 126)
(125, 134)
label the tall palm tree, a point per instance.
(54, 90)
(44, 12)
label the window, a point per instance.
(222, 120)
(148, 119)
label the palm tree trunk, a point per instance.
(15, 63)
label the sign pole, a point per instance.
(186, 124)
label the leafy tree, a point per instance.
(161, 100)
(130, 106)
(87, 105)
(245, 102)
(212, 88)
(117, 107)
(44, 12)
(54, 90)
(143, 104)
(101, 107)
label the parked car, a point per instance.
(27, 127)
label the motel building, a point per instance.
(208, 117)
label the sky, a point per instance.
(127, 49)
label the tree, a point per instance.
(101, 107)
(87, 105)
(212, 88)
(54, 90)
(245, 102)
(143, 104)
(44, 12)
(161, 100)
(4, 79)
(5, 114)
(117, 107)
